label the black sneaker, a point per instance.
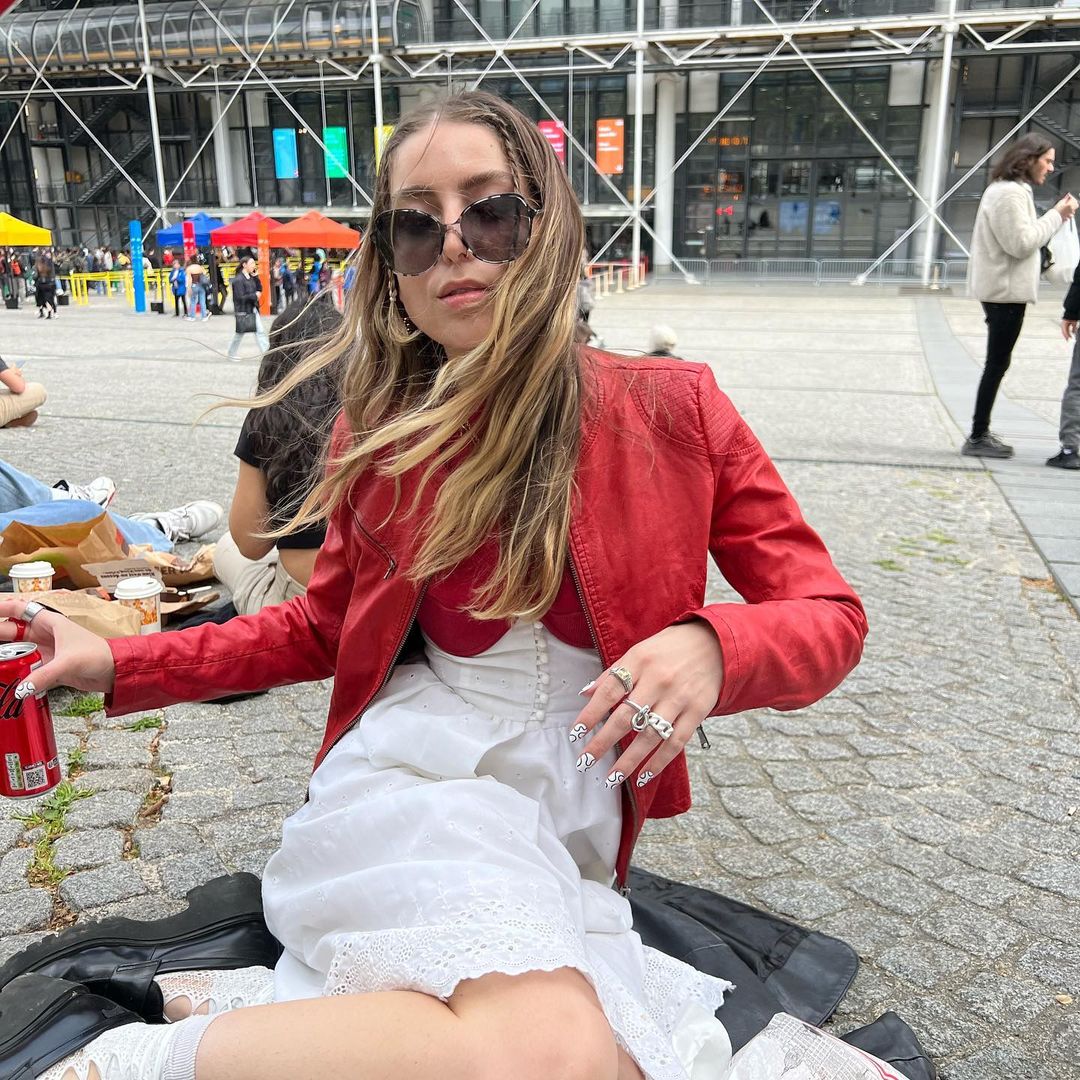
(1066, 458)
(222, 928)
(43, 1021)
(988, 445)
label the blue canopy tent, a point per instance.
(173, 236)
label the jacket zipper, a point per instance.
(391, 562)
(624, 889)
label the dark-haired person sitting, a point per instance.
(280, 448)
(19, 399)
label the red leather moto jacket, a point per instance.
(668, 474)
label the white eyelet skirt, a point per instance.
(449, 836)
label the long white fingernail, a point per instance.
(24, 690)
(644, 778)
(586, 688)
(578, 731)
(585, 762)
(614, 780)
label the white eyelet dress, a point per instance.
(448, 835)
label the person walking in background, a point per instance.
(246, 289)
(45, 288)
(288, 282)
(1004, 269)
(196, 280)
(178, 283)
(1068, 457)
(280, 448)
(19, 399)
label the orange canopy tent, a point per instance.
(244, 231)
(314, 230)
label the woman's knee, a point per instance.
(538, 1026)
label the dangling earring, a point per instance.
(396, 307)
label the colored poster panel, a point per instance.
(187, 231)
(553, 131)
(138, 275)
(337, 152)
(794, 216)
(286, 162)
(263, 248)
(609, 146)
(826, 217)
(382, 137)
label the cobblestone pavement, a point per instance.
(926, 812)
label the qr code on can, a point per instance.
(35, 776)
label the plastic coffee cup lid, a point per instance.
(138, 588)
(31, 569)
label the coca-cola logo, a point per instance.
(10, 706)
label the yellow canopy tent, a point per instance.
(17, 233)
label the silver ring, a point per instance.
(640, 717)
(661, 726)
(30, 612)
(624, 677)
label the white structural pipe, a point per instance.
(376, 73)
(639, 142)
(937, 160)
(148, 74)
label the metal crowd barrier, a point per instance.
(825, 271)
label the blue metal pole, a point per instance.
(138, 277)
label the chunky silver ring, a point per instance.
(640, 717)
(31, 611)
(661, 726)
(624, 677)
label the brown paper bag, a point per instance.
(87, 609)
(68, 547)
(176, 572)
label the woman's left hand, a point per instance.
(677, 674)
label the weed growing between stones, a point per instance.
(76, 759)
(146, 723)
(85, 705)
(889, 564)
(51, 817)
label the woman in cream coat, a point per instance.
(1005, 266)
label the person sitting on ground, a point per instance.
(19, 400)
(662, 341)
(279, 448)
(26, 499)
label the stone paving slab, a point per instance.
(926, 811)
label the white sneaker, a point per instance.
(187, 522)
(100, 490)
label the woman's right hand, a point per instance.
(1066, 207)
(73, 656)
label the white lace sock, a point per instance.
(212, 992)
(137, 1052)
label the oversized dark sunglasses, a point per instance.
(495, 230)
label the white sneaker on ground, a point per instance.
(187, 522)
(100, 490)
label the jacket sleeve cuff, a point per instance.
(124, 696)
(729, 651)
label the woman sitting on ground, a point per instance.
(19, 400)
(280, 448)
(449, 899)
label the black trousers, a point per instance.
(1003, 323)
(178, 299)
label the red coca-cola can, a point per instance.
(28, 761)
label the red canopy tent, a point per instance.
(244, 231)
(314, 230)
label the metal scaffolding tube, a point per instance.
(376, 75)
(148, 74)
(639, 142)
(937, 163)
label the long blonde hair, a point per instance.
(507, 414)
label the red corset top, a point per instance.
(444, 621)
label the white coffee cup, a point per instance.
(144, 595)
(32, 576)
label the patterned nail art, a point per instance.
(644, 778)
(24, 690)
(586, 688)
(578, 731)
(585, 762)
(614, 780)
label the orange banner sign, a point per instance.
(609, 146)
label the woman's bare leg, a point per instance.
(536, 1026)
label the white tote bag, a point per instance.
(1065, 250)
